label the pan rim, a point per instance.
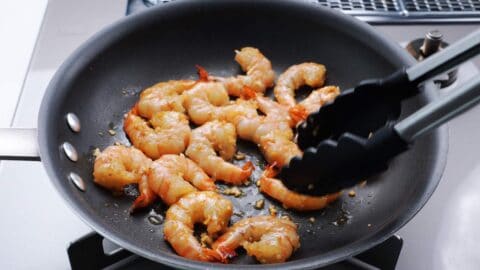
(108, 35)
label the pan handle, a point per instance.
(19, 144)
(440, 111)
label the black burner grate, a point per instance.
(88, 253)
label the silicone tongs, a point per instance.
(356, 135)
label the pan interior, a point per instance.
(102, 81)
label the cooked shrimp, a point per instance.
(209, 101)
(147, 196)
(260, 74)
(274, 110)
(164, 96)
(118, 166)
(294, 77)
(205, 207)
(173, 176)
(278, 148)
(217, 136)
(313, 102)
(275, 138)
(269, 239)
(290, 199)
(203, 100)
(170, 133)
(239, 110)
(272, 133)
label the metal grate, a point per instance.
(361, 5)
(383, 11)
(442, 5)
(408, 10)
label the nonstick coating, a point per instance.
(101, 80)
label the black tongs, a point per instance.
(356, 135)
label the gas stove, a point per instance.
(38, 223)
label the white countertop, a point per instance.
(36, 230)
(19, 27)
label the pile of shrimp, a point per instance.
(171, 161)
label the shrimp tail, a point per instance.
(270, 170)
(247, 169)
(146, 198)
(225, 254)
(248, 93)
(141, 201)
(298, 113)
(134, 109)
(202, 74)
(212, 255)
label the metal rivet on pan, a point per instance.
(70, 151)
(77, 181)
(73, 122)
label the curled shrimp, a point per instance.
(163, 96)
(294, 77)
(209, 101)
(274, 110)
(313, 102)
(118, 166)
(252, 126)
(260, 74)
(275, 138)
(272, 133)
(205, 207)
(269, 239)
(239, 110)
(278, 148)
(290, 199)
(173, 176)
(170, 133)
(203, 101)
(217, 136)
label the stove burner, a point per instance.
(88, 253)
(381, 11)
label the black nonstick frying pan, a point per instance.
(99, 82)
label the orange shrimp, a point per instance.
(205, 207)
(290, 199)
(217, 136)
(173, 176)
(260, 74)
(170, 133)
(269, 239)
(313, 102)
(279, 148)
(118, 166)
(163, 96)
(204, 102)
(311, 74)
(274, 110)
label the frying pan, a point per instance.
(101, 80)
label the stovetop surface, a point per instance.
(37, 226)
